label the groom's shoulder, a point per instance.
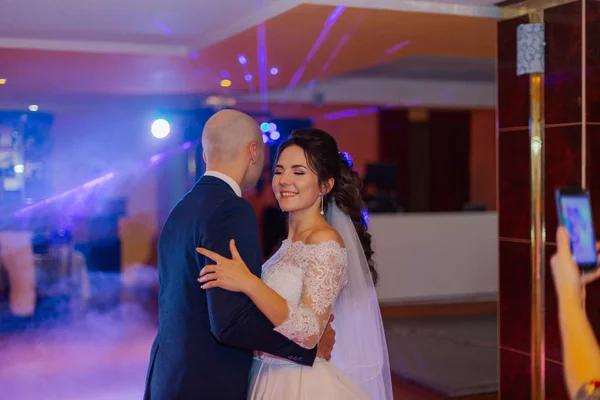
(234, 207)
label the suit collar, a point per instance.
(227, 179)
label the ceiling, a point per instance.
(174, 26)
(178, 23)
(445, 68)
(156, 47)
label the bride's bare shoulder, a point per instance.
(325, 234)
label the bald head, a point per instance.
(226, 133)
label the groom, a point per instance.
(205, 341)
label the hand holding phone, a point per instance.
(575, 214)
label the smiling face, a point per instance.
(295, 185)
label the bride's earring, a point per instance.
(322, 212)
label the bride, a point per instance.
(325, 266)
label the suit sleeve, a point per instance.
(234, 319)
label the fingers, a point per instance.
(553, 261)
(562, 241)
(211, 284)
(208, 269)
(210, 254)
(590, 277)
(234, 253)
(208, 277)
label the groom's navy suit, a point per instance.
(203, 349)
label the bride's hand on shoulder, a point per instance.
(229, 274)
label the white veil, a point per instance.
(360, 348)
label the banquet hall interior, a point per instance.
(102, 106)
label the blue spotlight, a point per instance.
(264, 127)
(265, 138)
(272, 127)
(274, 135)
(160, 128)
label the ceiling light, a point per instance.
(225, 83)
(2, 81)
(242, 60)
(248, 77)
(274, 135)
(160, 128)
(274, 71)
(33, 107)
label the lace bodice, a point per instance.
(309, 277)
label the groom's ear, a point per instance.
(204, 156)
(253, 148)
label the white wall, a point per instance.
(435, 256)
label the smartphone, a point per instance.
(575, 214)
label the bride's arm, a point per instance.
(323, 281)
(268, 301)
(325, 278)
(233, 275)
(302, 323)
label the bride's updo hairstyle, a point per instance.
(326, 161)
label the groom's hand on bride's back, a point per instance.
(325, 346)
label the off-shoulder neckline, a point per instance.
(300, 242)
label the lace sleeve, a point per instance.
(326, 275)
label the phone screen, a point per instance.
(577, 215)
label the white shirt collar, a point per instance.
(236, 188)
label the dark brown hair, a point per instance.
(325, 160)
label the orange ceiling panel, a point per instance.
(357, 39)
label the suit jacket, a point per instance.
(205, 341)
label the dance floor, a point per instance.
(104, 357)
(456, 355)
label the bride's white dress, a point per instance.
(309, 277)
